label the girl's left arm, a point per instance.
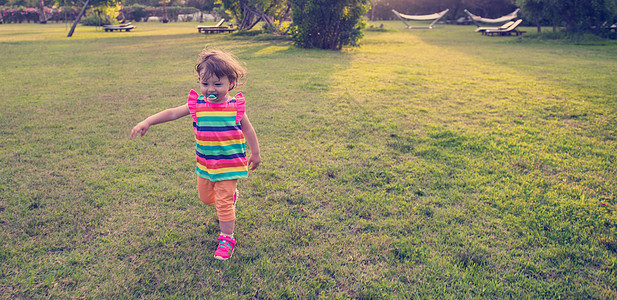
(251, 139)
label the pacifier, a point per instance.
(212, 97)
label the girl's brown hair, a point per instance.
(219, 64)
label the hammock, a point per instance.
(435, 17)
(503, 19)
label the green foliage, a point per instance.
(191, 3)
(578, 16)
(95, 19)
(534, 10)
(578, 38)
(136, 12)
(91, 3)
(327, 24)
(202, 5)
(26, 3)
(248, 12)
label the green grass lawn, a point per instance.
(422, 164)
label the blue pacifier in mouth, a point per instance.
(212, 97)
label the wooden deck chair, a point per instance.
(508, 31)
(218, 25)
(502, 27)
(478, 19)
(435, 17)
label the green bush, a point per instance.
(96, 20)
(327, 24)
(136, 12)
(579, 38)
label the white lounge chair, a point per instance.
(435, 17)
(216, 28)
(502, 27)
(126, 27)
(512, 29)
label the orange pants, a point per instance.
(221, 195)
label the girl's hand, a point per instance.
(140, 129)
(254, 161)
(160, 117)
(251, 141)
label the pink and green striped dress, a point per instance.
(219, 142)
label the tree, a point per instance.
(249, 12)
(164, 2)
(85, 6)
(535, 10)
(202, 5)
(577, 15)
(42, 17)
(598, 13)
(373, 4)
(327, 24)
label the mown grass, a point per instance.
(430, 164)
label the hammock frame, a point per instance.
(478, 19)
(435, 17)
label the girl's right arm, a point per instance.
(160, 117)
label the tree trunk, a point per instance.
(336, 43)
(81, 14)
(253, 25)
(42, 17)
(165, 19)
(538, 24)
(270, 23)
(569, 26)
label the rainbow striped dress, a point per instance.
(219, 141)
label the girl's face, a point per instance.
(215, 89)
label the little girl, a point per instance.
(222, 129)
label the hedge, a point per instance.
(131, 13)
(20, 14)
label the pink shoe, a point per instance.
(225, 248)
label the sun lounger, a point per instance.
(219, 24)
(215, 29)
(126, 27)
(502, 27)
(508, 31)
